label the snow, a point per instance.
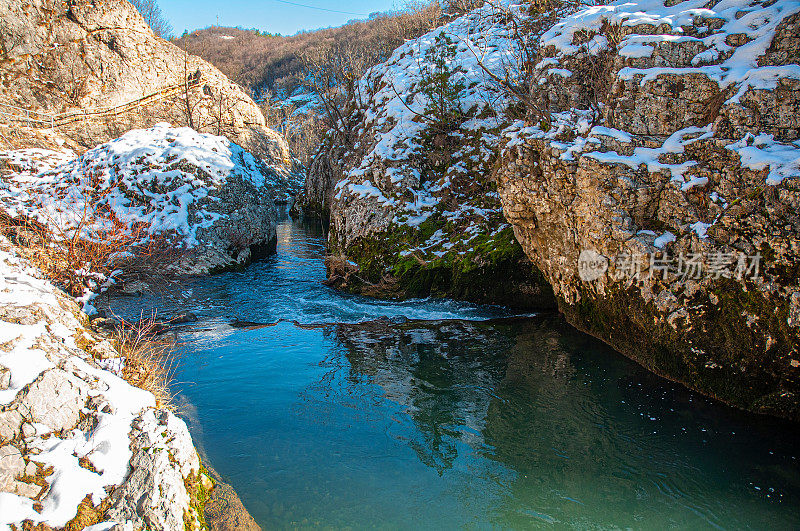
(616, 134)
(762, 152)
(739, 65)
(700, 228)
(664, 239)
(650, 157)
(393, 110)
(106, 446)
(152, 177)
(24, 361)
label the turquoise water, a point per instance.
(354, 413)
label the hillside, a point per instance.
(277, 64)
(96, 70)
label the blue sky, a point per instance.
(273, 16)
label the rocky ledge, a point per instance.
(66, 58)
(79, 446)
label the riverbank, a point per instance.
(80, 446)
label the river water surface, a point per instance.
(356, 413)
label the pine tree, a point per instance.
(443, 92)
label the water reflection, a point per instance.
(582, 436)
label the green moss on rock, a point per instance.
(493, 269)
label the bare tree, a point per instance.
(333, 74)
(154, 17)
(459, 7)
(189, 81)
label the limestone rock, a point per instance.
(65, 416)
(11, 466)
(5, 378)
(409, 193)
(10, 424)
(55, 400)
(154, 496)
(71, 57)
(700, 246)
(209, 203)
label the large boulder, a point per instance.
(200, 194)
(660, 199)
(407, 180)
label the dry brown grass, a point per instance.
(147, 359)
(79, 258)
(273, 63)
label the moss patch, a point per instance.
(486, 267)
(199, 493)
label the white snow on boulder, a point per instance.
(162, 177)
(194, 190)
(718, 59)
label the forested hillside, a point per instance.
(265, 62)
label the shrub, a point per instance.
(89, 254)
(147, 359)
(441, 86)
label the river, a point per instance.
(356, 413)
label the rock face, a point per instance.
(155, 494)
(661, 199)
(210, 200)
(79, 445)
(413, 211)
(63, 58)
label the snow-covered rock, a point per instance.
(70, 429)
(203, 194)
(411, 200)
(672, 160)
(660, 152)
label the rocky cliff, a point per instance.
(663, 210)
(64, 58)
(407, 187)
(650, 172)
